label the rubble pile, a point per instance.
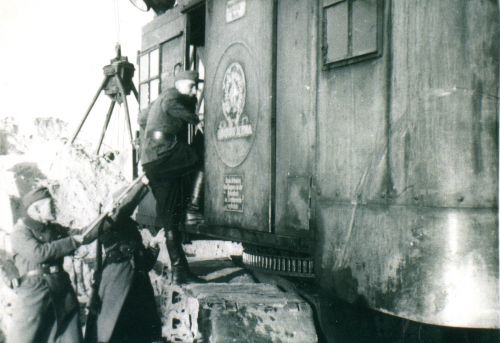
(37, 153)
(249, 312)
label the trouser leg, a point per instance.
(194, 215)
(167, 193)
(72, 331)
(169, 209)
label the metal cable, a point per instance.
(117, 21)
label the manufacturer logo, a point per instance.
(235, 123)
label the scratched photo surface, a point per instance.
(347, 188)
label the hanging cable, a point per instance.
(117, 21)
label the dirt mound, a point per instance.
(36, 153)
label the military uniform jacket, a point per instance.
(125, 288)
(36, 246)
(168, 115)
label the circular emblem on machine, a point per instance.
(235, 124)
(234, 100)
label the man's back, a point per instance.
(166, 118)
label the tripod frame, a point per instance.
(117, 84)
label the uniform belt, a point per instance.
(160, 135)
(44, 270)
(119, 253)
(15, 283)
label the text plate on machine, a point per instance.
(233, 193)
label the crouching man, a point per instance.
(46, 309)
(127, 310)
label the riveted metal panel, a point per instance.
(408, 168)
(239, 113)
(437, 266)
(296, 69)
(352, 133)
(444, 124)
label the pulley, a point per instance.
(121, 67)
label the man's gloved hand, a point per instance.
(78, 239)
(158, 239)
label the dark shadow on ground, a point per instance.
(342, 322)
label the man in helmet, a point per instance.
(47, 309)
(171, 164)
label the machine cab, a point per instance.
(253, 112)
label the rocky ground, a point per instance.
(37, 153)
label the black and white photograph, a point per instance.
(254, 171)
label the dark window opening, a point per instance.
(352, 31)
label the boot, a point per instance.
(180, 268)
(193, 213)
